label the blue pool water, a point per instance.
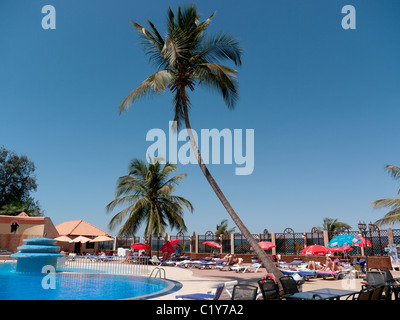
(74, 286)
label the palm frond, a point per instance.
(386, 203)
(119, 217)
(156, 83)
(168, 168)
(220, 47)
(183, 202)
(220, 78)
(134, 221)
(128, 185)
(130, 199)
(175, 180)
(174, 48)
(152, 43)
(390, 218)
(393, 171)
(137, 168)
(166, 190)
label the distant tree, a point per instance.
(17, 181)
(15, 207)
(332, 225)
(393, 215)
(222, 228)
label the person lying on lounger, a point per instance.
(331, 266)
(230, 259)
(312, 265)
(328, 266)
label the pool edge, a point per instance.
(173, 286)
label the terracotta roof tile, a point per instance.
(78, 228)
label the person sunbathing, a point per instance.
(230, 259)
(331, 266)
(312, 265)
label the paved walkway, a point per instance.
(195, 280)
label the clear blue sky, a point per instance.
(323, 101)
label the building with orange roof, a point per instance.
(79, 228)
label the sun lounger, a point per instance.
(161, 262)
(104, 258)
(92, 257)
(202, 296)
(155, 261)
(223, 292)
(295, 262)
(334, 274)
(188, 263)
(306, 274)
(209, 264)
(250, 268)
(228, 289)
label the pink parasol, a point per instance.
(141, 246)
(315, 249)
(212, 244)
(362, 243)
(265, 245)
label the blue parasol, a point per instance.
(343, 240)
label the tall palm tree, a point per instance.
(393, 215)
(187, 57)
(148, 193)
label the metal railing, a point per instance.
(104, 264)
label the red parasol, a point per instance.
(362, 243)
(212, 244)
(265, 245)
(315, 249)
(141, 246)
(167, 247)
(174, 241)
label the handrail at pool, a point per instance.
(159, 272)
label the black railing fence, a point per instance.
(287, 242)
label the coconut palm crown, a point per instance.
(147, 193)
(185, 58)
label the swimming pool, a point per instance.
(76, 286)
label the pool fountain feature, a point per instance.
(37, 253)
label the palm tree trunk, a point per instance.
(268, 264)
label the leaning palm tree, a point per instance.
(185, 58)
(393, 215)
(147, 191)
